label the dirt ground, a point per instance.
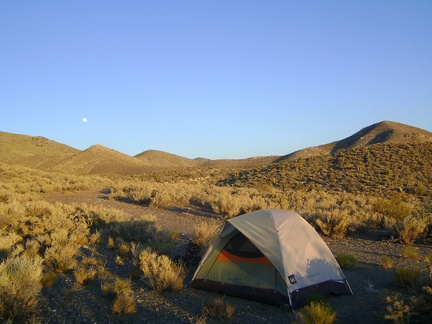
(68, 302)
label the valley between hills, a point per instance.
(94, 212)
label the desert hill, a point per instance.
(99, 159)
(382, 132)
(160, 158)
(44, 154)
(33, 151)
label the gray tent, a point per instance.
(272, 256)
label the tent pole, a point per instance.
(347, 283)
(290, 301)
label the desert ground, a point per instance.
(67, 302)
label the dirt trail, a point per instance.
(182, 220)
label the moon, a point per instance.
(84, 120)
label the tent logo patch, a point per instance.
(292, 279)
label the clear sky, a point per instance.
(215, 79)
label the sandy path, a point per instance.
(182, 220)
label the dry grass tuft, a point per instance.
(123, 249)
(386, 262)
(218, 308)
(124, 302)
(84, 274)
(120, 290)
(110, 243)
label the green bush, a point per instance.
(316, 313)
(395, 207)
(346, 261)
(408, 276)
(410, 252)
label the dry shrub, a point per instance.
(32, 247)
(226, 205)
(333, 223)
(81, 238)
(61, 258)
(8, 242)
(205, 232)
(135, 252)
(218, 308)
(161, 241)
(409, 229)
(153, 193)
(20, 286)
(162, 273)
(316, 312)
(128, 229)
(60, 237)
(161, 198)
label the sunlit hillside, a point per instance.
(383, 132)
(45, 154)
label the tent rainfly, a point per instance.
(271, 256)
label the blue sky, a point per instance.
(214, 79)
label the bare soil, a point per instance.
(68, 302)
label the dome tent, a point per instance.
(271, 256)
